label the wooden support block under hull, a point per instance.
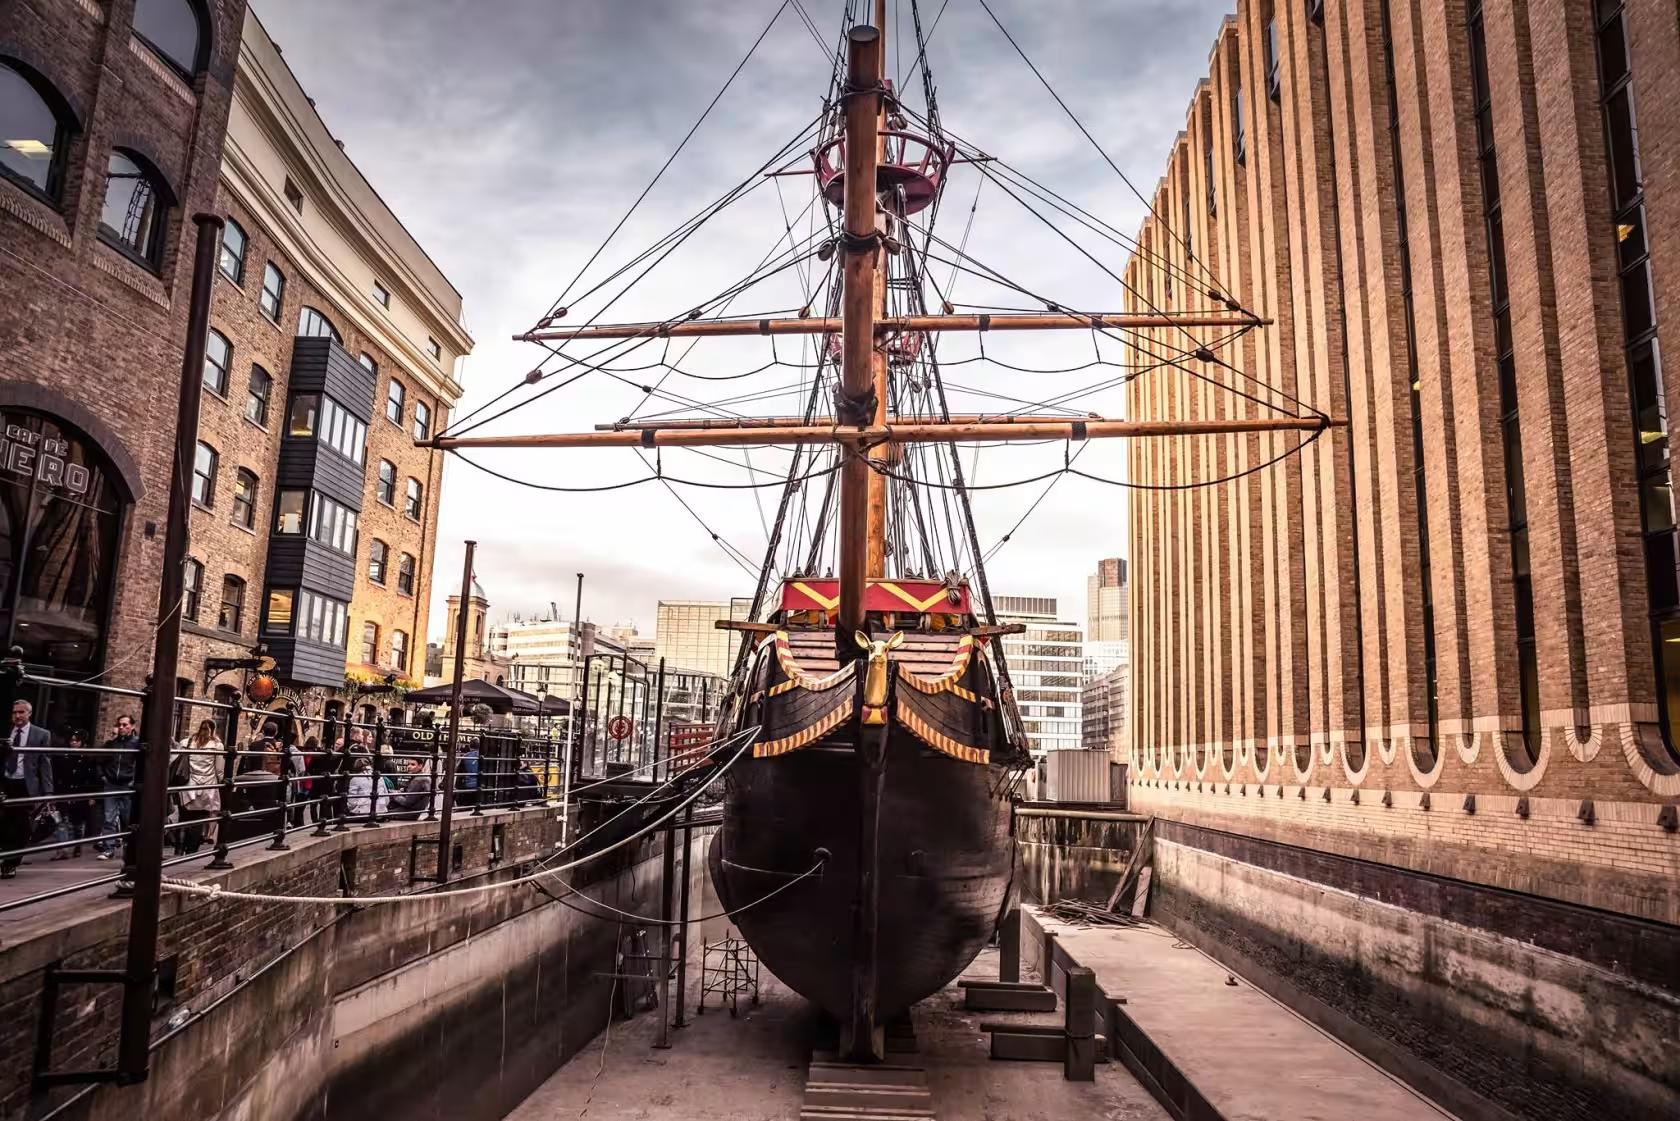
(1028, 1043)
(1007, 996)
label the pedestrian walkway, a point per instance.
(1251, 1057)
(79, 881)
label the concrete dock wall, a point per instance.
(1494, 1003)
(1069, 854)
(447, 1007)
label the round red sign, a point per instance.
(619, 727)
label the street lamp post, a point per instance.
(576, 643)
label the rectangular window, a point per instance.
(288, 512)
(306, 409)
(244, 499)
(315, 415)
(332, 524)
(321, 619)
(341, 431)
(278, 614)
(434, 349)
(294, 195)
(192, 585)
(273, 291)
(233, 604)
(218, 356)
(233, 252)
(381, 294)
(257, 396)
(1212, 184)
(204, 475)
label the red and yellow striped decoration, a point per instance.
(939, 741)
(797, 675)
(836, 716)
(947, 681)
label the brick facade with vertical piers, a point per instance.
(1279, 597)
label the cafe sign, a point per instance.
(36, 455)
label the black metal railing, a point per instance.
(240, 777)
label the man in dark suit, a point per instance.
(25, 774)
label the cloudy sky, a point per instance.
(510, 135)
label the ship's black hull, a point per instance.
(945, 860)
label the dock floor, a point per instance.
(753, 1069)
(1250, 1056)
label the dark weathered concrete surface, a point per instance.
(1253, 1058)
(753, 1069)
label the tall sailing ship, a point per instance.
(865, 847)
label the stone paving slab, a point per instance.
(1253, 1058)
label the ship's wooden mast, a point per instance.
(862, 1038)
(875, 531)
(858, 402)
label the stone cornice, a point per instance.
(306, 254)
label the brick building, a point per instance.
(333, 344)
(1445, 639)
(113, 113)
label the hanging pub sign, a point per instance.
(261, 689)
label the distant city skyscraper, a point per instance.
(1105, 601)
(1045, 665)
(684, 634)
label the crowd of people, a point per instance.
(66, 790)
(91, 788)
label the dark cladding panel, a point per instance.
(304, 662)
(307, 464)
(299, 562)
(321, 365)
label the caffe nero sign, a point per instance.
(29, 454)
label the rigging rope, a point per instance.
(1080, 125)
(689, 135)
